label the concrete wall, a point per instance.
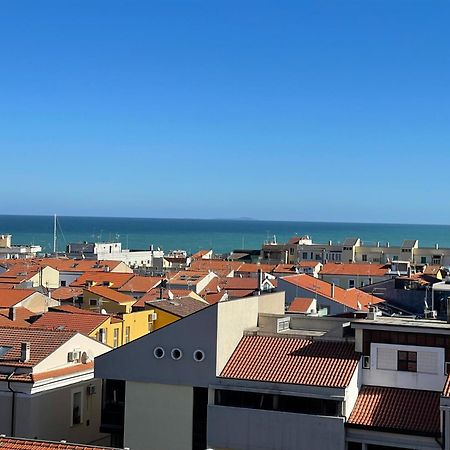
(430, 368)
(249, 429)
(38, 303)
(47, 415)
(158, 416)
(233, 317)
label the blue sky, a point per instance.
(302, 110)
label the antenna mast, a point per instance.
(54, 234)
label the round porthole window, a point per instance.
(199, 355)
(176, 354)
(158, 352)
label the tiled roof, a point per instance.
(83, 323)
(76, 368)
(188, 277)
(111, 294)
(10, 297)
(21, 316)
(406, 411)
(117, 280)
(292, 360)
(346, 297)
(140, 283)
(77, 265)
(66, 293)
(240, 293)
(155, 294)
(253, 268)
(180, 307)
(200, 254)
(284, 268)
(70, 309)
(355, 269)
(311, 264)
(230, 283)
(300, 305)
(42, 344)
(218, 266)
(7, 443)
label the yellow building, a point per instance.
(105, 299)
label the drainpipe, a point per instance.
(13, 406)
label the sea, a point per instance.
(194, 234)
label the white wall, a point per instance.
(383, 368)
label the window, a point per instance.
(77, 405)
(102, 335)
(395, 258)
(304, 255)
(291, 251)
(127, 334)
(318, 257)
(351, 283)
(63, 283)
(92, 302)
(407, 361)
(364, 258)
(159, 352)
(423, 260)
(116, 337)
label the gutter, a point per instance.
(13, 406)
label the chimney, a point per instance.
(25, 351)
(373, 313)
(12, 314)
(332, 290)
(260, 281)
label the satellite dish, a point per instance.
(84, 358)
(103, 311)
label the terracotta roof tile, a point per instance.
(218, 266)
(155, 294)
(397, 410)
(111, 294)
(7, 443)
(355, 269)
(346, 297)
(117, 280)
(140, 283)
(21, 317)
(253, 268)
(10, 297)
(300, 305)
(83, 323)
(77, 265)
(292, 360)
(42, 344)
(67, 293)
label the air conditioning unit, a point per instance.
(366, 362)
(91, 390)
(74, 356)
(154, 316)
(70, 357)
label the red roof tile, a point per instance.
(11, 297)
(7, 443)
(355, 269)
(292, 360)
(83, 323)
(67, 293)
(346, 297)
(300, 305)
(253, 268)
(111, 294)
(406, 411)
(140, 283)
(117, 280)
(21, 316)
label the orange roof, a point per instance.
(111, 294)
(347, 297)
(140, 283)
(240, 293)
(66, 293)
(19, 273)
(292, 360)
(406, 411)
(42, 344)
(200, 254)
(300, 305)
(230, 283)
(7, 443)
(116, 279)
(77, 265)
(10, 297)
(188, 277)
(22, 315)
(218, 266)
(284, 268)
(70, 309)
(63, 371)
(253, 268)
(355, 269)
(155, 294)
(308, 263)
(83, 323)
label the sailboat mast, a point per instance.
(54, 234)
